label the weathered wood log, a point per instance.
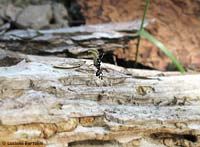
(72, 107)
(73, 41)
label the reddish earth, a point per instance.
(177, 26)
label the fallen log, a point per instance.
(72, 107)
(72, 41)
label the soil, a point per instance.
(177, 26)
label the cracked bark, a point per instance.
(72, 107)
(72, 41)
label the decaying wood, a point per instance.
(72, 41)
(72, 107)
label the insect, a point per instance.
(97, 57)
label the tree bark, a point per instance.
(70, 106)
(72, 41)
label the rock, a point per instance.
(35, 16)
(2, 12)
(60, 15)
(4, 28)
(11, 12)
(24, 2)
(1, 22)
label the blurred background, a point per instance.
(177, 24)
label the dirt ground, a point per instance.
(177, 26)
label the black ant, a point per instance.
(98, 56)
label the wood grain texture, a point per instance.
(73, 107)
(72, 41)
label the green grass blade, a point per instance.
(144, 15)
(141, 27)
(152, 39)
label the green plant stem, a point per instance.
(141, 28)
(152, 39)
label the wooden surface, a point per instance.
(72, 41)
(72, 107)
